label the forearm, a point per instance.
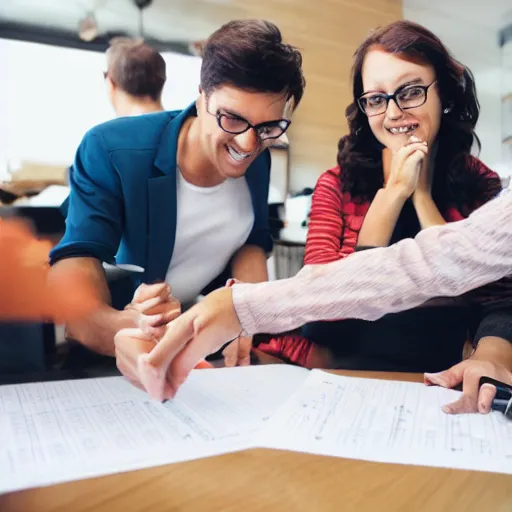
(494, 350)
(444, 261)
(249, 265)
(427, 211)
(380, 221)
(97, 331)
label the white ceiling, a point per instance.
(468, 27)
(167, 20)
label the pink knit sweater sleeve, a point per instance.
(443, 261)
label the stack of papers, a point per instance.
(67, 430)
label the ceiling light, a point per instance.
(88, 28)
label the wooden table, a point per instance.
(265, 480)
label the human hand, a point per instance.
(424, 185)
(130, 345)
(238, 352)
(200, 331)
(156, 307)
(406, 166)
(468, 372)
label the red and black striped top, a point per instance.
(413, 340)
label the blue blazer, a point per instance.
(122, 203)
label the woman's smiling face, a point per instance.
(385, 72)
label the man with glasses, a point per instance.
(183, 195)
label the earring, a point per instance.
(447, 110)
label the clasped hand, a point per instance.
(158, 357)
(409, 169)
(154, 307)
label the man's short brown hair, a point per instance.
(250, 55)
(136, 68)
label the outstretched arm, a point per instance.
(446, 260)
(443, 261)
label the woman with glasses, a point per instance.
(405, 165)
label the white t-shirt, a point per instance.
(212, 224)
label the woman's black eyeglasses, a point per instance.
(236, 125)
(406, 97)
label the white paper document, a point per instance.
(66, 430)
(388, 421)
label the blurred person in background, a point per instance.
(135, 77)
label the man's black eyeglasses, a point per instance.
(236, 125)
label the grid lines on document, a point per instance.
(61, 422)
(367, 415)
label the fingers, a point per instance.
(157, 305)
(148, 291)
(185, 362)
(473, 398)
(171, 314)
(153, 367)
(149, 308)
(190, 338)
(154, 299)
(157, 382)
(178, 334)
(413, 139)
(154, 379)
(485, 398)
(135, 383)
(155, 325)
(129, 345)
(416, 157)
(448, 378)
(464, 405)
(152, 326)
(144, 307)
(132, 349)
(406, 164)
(405, 151)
